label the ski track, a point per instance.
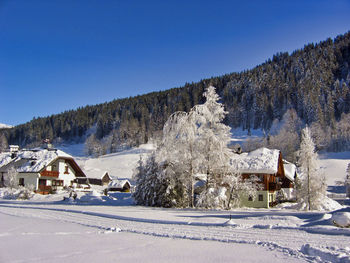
(296, 242)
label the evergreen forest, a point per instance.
(313, 81)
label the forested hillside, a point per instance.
(315, 81)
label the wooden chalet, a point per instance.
(268, 166)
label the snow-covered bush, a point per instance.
(22, 193)
(341, 219)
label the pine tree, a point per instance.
(313, 186)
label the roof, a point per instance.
(116, 183)
(289, 170)
(5, 158)
(96, 174)
(35, 160)
(260, 161)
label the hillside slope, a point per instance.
(314, 81)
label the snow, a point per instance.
(341, 219)
(118, 165)
(289, 170)
(5, 126)
(63, 241)
(32, 160)
(137, 233)
(118, 183)
(112, 228)
(262, 160)
(334, 166)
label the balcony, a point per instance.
(274, 186)
(49, 174)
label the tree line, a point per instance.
(313, 81)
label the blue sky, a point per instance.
(57, 55)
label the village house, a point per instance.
(120, 185)
(96, 177)
(44, 170)
(275, 175)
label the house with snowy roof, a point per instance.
(97, 177)
(43, 169)
(120, 185)
(272, 173)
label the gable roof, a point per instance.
(260, 161)
(96, 174)
(118, 183)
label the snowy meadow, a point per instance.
(95, 226)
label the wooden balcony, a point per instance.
(45, 188)
(274, 187)
(49, 174)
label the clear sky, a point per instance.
(57, 55)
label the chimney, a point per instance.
(14, 150)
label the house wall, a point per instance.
(267, 198)
(30, 179)
(61, 168)
(105, 180)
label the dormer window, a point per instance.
(66, 169)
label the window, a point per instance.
(21, 182)
(261, 198)
(250, 198)
(66, 169)
(57, 183)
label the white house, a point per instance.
(43, 169)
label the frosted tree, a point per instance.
(3, 143)
(240, 187)
(147, 182)
(347, 181)
(11, 178)
(180, 150)
(312, 185)
(214, 137)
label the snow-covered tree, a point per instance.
(11, 178)
(3, 143)
(147, 182)
(312, 185)
(179, 149)
(347, 181)
(240, 187)
(214, 137)
(193, 143)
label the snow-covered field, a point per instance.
(74, 231)
(97, 228)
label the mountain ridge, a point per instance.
(313, 80)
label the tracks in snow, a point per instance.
(289, 240)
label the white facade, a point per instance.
(42, 169)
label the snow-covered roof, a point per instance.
(96, 173)
(118, 183)
(5, 158)
(31, 161)
(289, 170)
(262, 160)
